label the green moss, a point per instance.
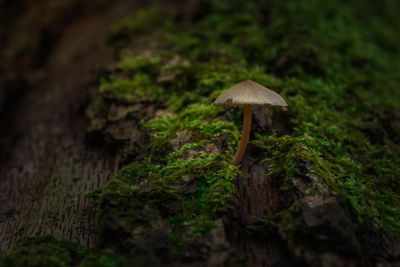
(104, 258)
(140, 85)
(201, 225)
(212, 171)
(332, 77)
(267, 226)
(44, 251)
(336, 72)
(143, 21)
(139, 64)
(185, 187)
(201, 119)
(160, 148)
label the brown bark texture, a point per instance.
(48, 53)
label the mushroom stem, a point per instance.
(245, 136)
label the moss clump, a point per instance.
(52, 251)
(141, 22)
(201, 119)
(44, 251)
(182, 186)
(185, 191)
(137, 80)
(104, 258)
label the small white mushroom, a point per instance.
(247, 94)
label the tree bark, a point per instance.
(46, 168)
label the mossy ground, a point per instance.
(334, 62)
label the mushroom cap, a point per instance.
(249, 93)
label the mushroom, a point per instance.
(247, 94)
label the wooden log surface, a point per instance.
(46, 167)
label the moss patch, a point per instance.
(103, 258)
(335, 71)
(44, 251)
